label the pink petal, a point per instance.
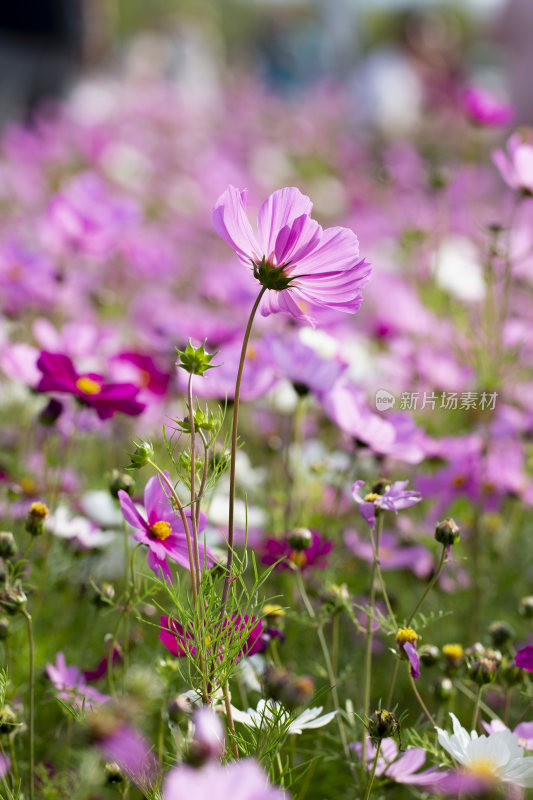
(278, 210)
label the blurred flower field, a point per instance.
(266, 448)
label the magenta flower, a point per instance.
(238, 780)
(71, 684)
(314, 556)
(60, 375)
(524, 658)
(181, 642)
(414, 659)
(394, 498)
(163, 531)
(303, 267)
(516, 165)
(485, 109)
(402, 769)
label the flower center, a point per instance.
(160, 530)
(372, 497)
(483, 766)
(405, 635)
(270, 275)
(299, 558)
(87, 385)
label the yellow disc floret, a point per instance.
(405, 635)
(88, 385)
(298, 558)
(372, 497)
(39, 510)
(452, 652)
(160, 530)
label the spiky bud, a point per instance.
(143, 453)
(195, 360)
(382, 725)
(483, 670)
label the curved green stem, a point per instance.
(32, 702)
(419, 698)
(430, 585)
(229, 561)
(475, 711)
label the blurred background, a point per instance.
(397, 57)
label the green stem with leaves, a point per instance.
(194, 499)
(430, 585)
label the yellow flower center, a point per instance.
(160, 530)
(483, 766)
(372, 497)
(454, 652)
(88, 385)
(39, 510)
(27, 485)
(405, 635)
(298, 557)
(273, 610)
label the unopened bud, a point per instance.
(8, 720)
(382, 725)
(8, 546)
(113, 773)
(35, 518)
(447, 532)
(300, 538)
(13, 600)
(143, 453)
(104, 595)
(120, 481)
(500, 633)
(453, 655)
(483, 670)
(526, 606)
(195, 360)
(443, 689)
(429, 655)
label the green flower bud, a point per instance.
(35, 518)
(121, 481)
(8, 720)
(483, 670)
(447, 532)
(526, 607)
(429, 655)
(381, 725)
(104, 595)
(443, 689)
(143, 453)
(195, 360)
(509, 674)
(8, 546)
(13, 600)
(500, 632)
(300, 538)
(113, 773)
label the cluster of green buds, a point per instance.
(208, 421)
(195, 360)
(35, 518)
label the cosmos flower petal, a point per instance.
(232, 225)
(131, 515)
(278, 211)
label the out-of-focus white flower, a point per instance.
(457, 269)
(79, 529)
(498, 756)
(270, 713)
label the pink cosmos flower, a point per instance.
(163, 532)
(303, 267)
(60, 375)
(314, 556)
(516, 165)
(71, 684)
(181, 642)
(485, 109)
(130, 749)
(402, 769)
(238, 780)
(394, 498)
(524, 658)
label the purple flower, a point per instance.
(392, 555)
(314, 556)
(304, 267)
(485, 109)
(71, 685)
(516, 165)
(402, 769)
(60, 375)
(132, 752)
(414, 659)
(209, 740)
(163, 532)
(394, 498)
(524, 658)
(238, 780)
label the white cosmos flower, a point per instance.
(497, 756)
(270, 712)
(79, 529)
